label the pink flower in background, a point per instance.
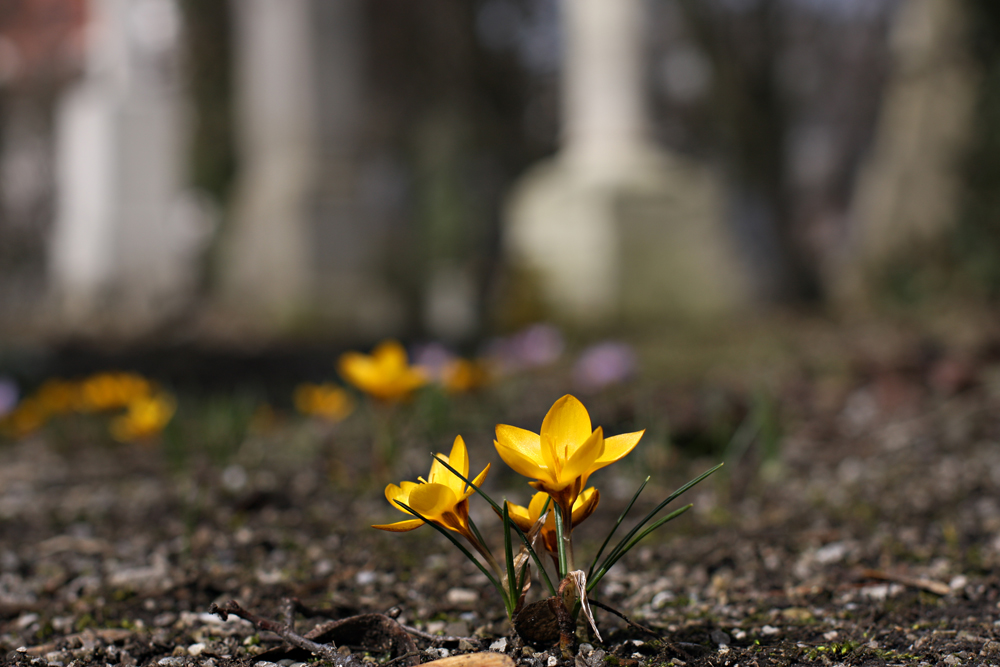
(538, 345)
(8, 395)
(604, 364)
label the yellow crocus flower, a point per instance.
(443, 498)
(323, 400)
(386, 374)
(564, 453)
(145, 417)
(525, 517)
(110, 391)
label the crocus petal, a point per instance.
(568, 424)
(390, 355)
(400, 526)
(477, 481)
(439, 474)
(459, 459)
(394, 493)
(520, 463)
(360, 370)
(524, 441)
(581, 462)
(521, 516)
(585, 504)
(617, 447)
(431, 500)
(537, 504)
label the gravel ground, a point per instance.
(866, 532)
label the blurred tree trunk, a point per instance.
(751, 114)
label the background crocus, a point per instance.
(385, 374)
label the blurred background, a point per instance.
(207, 172)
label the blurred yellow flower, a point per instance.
(323, 400)
(57, 396)
(462, 375)
(525, 517)
(386, 374)
(443, 498)
(144, 418)
(565, 453)
(25, 419)
(110, 391)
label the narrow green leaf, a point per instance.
(524, 538)
(508, 549)
(453, 540)
(656, 510)
(621, 517)
(561, 543)
(611, 562)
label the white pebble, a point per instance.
(499, 645)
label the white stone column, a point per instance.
(266, 262)
(124, 248)
(615, 226)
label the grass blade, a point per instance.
(524, 538)
(621, 518)
(615, 553)
(611, 562)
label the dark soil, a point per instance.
(857, 523)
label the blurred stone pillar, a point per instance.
(615, 226)
(908, 192)
(126, 236)
(265, 268)
(300, 248)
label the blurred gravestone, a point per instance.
(127, 239)
(298, 248)
(614, 226)
(908, 194)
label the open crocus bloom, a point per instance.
(525, 517)
(386, 374)
(565, 453)
(443, 498)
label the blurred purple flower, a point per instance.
(8, 395)
(538, 345)
(603, 364)
(433, 358)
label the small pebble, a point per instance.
(719, 637)
(585, 649)
(552, 661)
(461, 596)
(769, 630)
(952, 660)
(172, 661)
(466, 645)
(194, 650)
(527, 652)
(499, 645)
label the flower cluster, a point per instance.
(558, 461)
(147, 408)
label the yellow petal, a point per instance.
(568, 424)
(432, 500)
(585, 504)
(537, 504)
(459, 460)
(525, 442)
(439, 474)
(617, 447)
(390, 354)
(522, 463)
(400, 526)
(477, 481)
(582, 460)
(520, 516)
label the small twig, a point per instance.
(435, 638)
(624, 617)
(929, 585)
(326, 651)
(411, 654)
